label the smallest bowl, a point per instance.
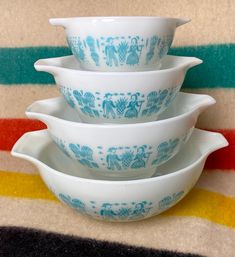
(119, 43)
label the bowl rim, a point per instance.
(133, 17)
(118, 73)
(113, 126)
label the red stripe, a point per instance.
(223, 158)
(12, 129)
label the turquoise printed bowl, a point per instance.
(120, 201)
(119, 43)
(121, 151)
(117, 97)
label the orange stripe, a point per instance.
(13, 129)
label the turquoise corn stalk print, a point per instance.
(121, 105)
(127, 158)
(122, 51)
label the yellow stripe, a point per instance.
(23, 185)
(199, 202)
(207, 205)
(184, 234)
(35, 29)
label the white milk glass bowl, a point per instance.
(118, 200)
(119, 43)
(117, 97)
(121, 151)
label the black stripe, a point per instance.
(23, 242)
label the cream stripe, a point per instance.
(218, 181)
(212, 20)
(195, 235)
(219, 116)
(20, 97)
(10, 163)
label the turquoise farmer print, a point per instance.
(118, 50)
(116, 105)
(122, 158)
(124, 211)
(110, 52)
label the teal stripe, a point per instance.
(16, 64)
(218, 69)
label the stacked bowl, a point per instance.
(120, 143)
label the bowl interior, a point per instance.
(179, 106)
(70, 62)
(52, 156)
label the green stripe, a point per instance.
(218, 69)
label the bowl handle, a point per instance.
(59, 22)
(180, 22)
(210, 141)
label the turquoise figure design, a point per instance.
(164, 45)
(115, 211)
(170, 96)
(74, 203)
(124, 212)
(140, 211)
(173, 144)
(89, 104)
(63, 148)
(134, 52)
(162, 149)
(127, 158)
(84, 155)
(121, 105)
(87, 157)
(76, 150)
(107, 211)
(108, 106)
(140, 159)
(122, 51)
(79, 50)
(169, 200)
(132, 111)
(68, 97)
(110, 52)
(165, 150)
(150, 53)
(162, 95)
(113, 159)
(78, 96)
(86, 102)
(152, 104)
(91, 44)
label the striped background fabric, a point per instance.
(202, 223)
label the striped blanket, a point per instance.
(32, 221)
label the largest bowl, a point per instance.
(121, 151)
(118, 200)
(119, 43)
